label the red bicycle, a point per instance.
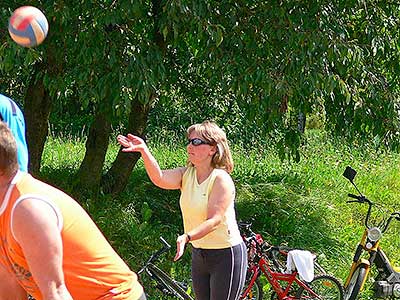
(264, 259)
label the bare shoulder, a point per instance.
(223, 178)
(31, 214)
(32, 207)
(224, 175)
(26, 208)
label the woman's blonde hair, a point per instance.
(214, 135)
(8, 151)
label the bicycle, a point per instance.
(264, 259)
(280, 252)
(387, 281)
(167, 285)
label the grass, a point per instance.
(301, 204)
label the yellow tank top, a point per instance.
(92, 269)
(194, 202)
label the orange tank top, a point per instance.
(92, 269)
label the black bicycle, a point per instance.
(167, 285)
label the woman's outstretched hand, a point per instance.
(131, 143)
(180, 246)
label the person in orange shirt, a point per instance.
(49, 246)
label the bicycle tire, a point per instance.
(356, 282)
(327, 287)
(169, 283)
(256, 292)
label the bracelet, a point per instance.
(188, 237)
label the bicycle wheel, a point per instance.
(167, 282)
(256, 292)
(356, 281)
(325, 286)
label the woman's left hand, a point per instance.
(180, 246)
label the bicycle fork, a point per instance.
(359, 262)
(253, 275)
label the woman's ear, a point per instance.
(214, 150)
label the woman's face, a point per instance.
(199, 151)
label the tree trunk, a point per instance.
(37, 109)
(301, 122)
(117, 177)
(90, 171)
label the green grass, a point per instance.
(301, 204)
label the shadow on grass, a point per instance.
(285, 214)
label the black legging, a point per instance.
(219, 274)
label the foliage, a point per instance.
(298, 204)
(253, 66)
(274, 60)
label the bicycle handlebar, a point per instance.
(353, 196)
(396, 215)
(250, 236)
(157, 254)
(362, 199)
(165, 243)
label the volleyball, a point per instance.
(28, 26)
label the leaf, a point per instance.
(219, 36)
(165, 32)
(146, 212)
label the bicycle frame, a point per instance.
(274, 279)
(167, 285)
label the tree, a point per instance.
(35, 77)
(266, 63)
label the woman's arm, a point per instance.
(35, 227)
(221, 196)
(166, 179)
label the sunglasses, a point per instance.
(197, 142)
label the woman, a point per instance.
(219, 257)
